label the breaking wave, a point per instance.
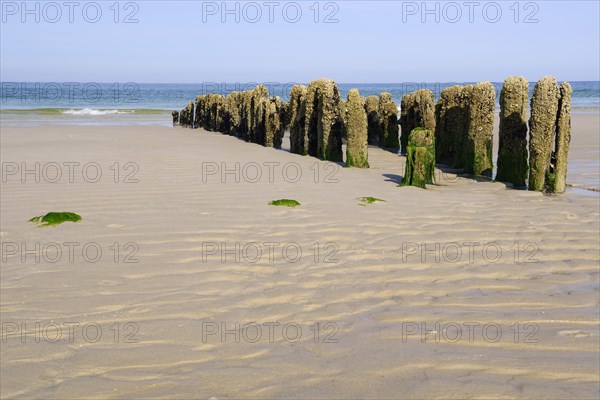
(90, 111)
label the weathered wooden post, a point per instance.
(343, 116)
(323, 120)
(245, 115)
(388, 118)
(186, 116)
(298, 140)
(416, 110)
(478, 148)
(420, 158)
(450, 125)
(512, 149)
(199, 115)
(563, 138)
(372, 110)
(233, 103)
(256, 132)
(214, 104)
(273, 125)
(542, 127)
(284, 112)
(356, 131)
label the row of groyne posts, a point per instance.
(456, 131)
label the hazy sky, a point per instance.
(387, 41)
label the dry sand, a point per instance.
(365, 281)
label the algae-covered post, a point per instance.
(425, 109)
(182, 118)
(273, 126)
(343, 116)
(175, 115)
(233, 103)
(478, 148)
(406, 120)
(372, 110)
(255, 113)
(356, 130)
(187, 116)
(245, 115)
(214, 118)
(420, 158)
(563, 138)
(512, 149)
(417, 110)
(450, 126)
(323, 123)
(282, 111)
(388, 118)
(205, 111)
(542, 126)
(221, 114)
(298, 140)
(199, 115)
(284, 115)
(190, 114)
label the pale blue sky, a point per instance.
(369, 43)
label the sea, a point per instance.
(130, 103)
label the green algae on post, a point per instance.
(55, 218)
(563, 138)
(298, 140)
(416, 110)
(542, 128)
(450, 126)
(512, 164)
(356, 126)
(369, 200)
(372, 110)
(284, 202)
(388, 118)
(420, 158)
(480, 132)
(323, 121)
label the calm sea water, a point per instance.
(31, 103)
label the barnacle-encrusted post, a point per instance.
(356, 131)
(420, 158)
(542, 127)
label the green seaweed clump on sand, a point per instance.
(284, 202)
(55, 218)
(368, 200)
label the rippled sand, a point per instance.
(377, 285)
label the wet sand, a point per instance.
(510, 277)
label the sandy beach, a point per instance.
(468, 289)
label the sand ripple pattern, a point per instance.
(371, 287)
